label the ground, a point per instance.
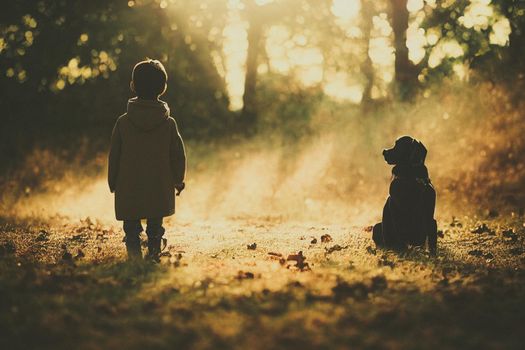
(243, 283)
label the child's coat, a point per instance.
(146, 160)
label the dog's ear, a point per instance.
(418, 153)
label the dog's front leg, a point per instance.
(432, 237)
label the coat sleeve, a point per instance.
(177, 155)
(114, 157)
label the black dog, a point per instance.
(408, 215)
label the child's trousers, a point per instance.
(154, 230)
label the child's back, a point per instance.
(146, 163)
(151, 161)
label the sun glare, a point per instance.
(461, 70)
(288, 54)
(263, 2)
(477, 15)
(500, 32)
(416, 40)
(338, 87)
(415, 5)
(346, 10)
(292, 53)
(445, 48)
(309, 64)
(381, 51)
(235, 49)
(277, 45)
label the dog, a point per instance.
(408, 214)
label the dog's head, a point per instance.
(406, 151)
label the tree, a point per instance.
(255, 28)
(367, 13)
(85, 79)
(496, 60)
(514, 10)
(405, 71)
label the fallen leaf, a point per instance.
(480, 254)
(476, 252)
(483, 228)
(277, 256)
(326, 238)
(243, 275)
(334, 248)
(510, 236)
(299, 259)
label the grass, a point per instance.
(223, 295)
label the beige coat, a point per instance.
(146, 160)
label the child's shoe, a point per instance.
(153, 249)
(133, 248)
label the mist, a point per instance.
(333, 172)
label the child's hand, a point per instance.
(180, 187)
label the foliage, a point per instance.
(490, 37)
(72, 60)
(61, 55)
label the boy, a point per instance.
(147, 160)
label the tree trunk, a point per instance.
(249, 110)
(367, 12)
(517, 47)
(405, 71)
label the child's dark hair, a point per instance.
(149, 79)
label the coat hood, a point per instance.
(147, 114)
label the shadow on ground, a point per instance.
(66, 285)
